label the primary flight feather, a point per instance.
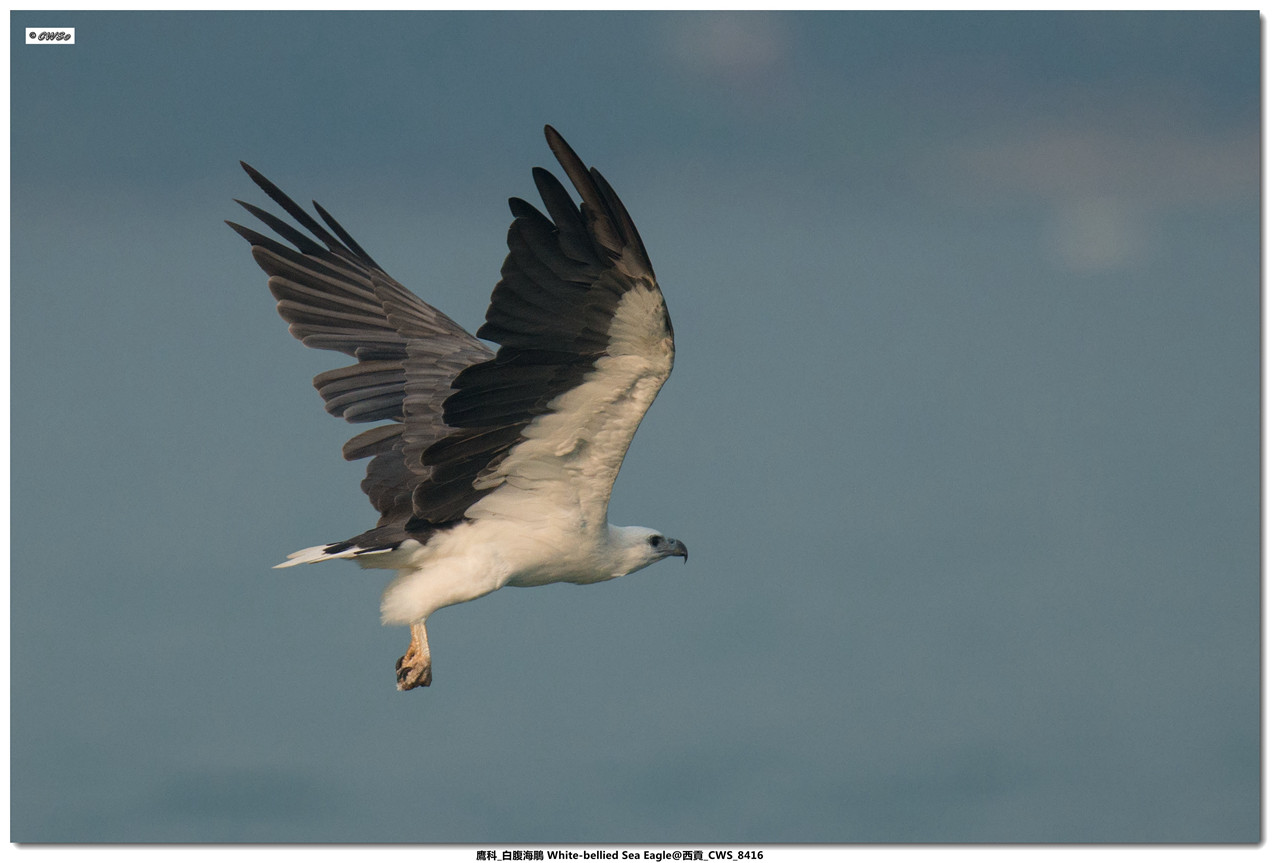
(491, 469)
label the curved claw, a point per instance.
(414, 668)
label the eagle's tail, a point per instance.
(333, 551)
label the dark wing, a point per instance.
(585, 343)
(335, 296)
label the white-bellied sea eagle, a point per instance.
(494, 469)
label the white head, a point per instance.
(636, 547)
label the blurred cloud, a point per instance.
(1104, 183)
(1152, 166)
(734, 50)
(1093, 233)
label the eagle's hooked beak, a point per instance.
(679, 549)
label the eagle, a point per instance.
(489, 468)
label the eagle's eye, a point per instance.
(655, 540)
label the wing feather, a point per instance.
(584, 344)
(570, 376)
(335, 297)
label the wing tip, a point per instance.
(254, 174)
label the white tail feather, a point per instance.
(316, 554)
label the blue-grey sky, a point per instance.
(963, 434)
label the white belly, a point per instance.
(477, 558)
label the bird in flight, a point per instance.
(491, 468)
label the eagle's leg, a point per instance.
(414, 668)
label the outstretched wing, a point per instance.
(335, 296)
(585, 344)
